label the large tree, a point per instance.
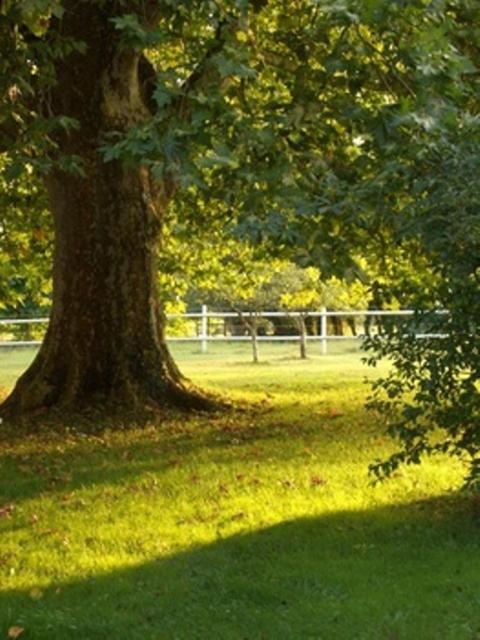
(75, 74)
(118, 106)
(104, 338)
(265, 112)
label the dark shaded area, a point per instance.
(344, 575)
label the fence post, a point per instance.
(204, 329)
(324, 331)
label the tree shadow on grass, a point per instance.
(410, 572)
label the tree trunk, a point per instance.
(351, 321)
(254, 336)
(302, 329)
(312, 324)
(105, 342)
(337, 322)
(251, 324)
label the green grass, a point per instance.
(247, 526)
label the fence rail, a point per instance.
(201, 329)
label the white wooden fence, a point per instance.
(203, 335)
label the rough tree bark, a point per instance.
(105, 341)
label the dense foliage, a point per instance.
(432, 396)
(25, 238)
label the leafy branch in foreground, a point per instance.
(431, 398)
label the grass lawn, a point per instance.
(249, 526)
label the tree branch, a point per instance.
(388, 63)
(199, 73)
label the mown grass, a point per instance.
(252, 525)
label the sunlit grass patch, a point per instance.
(252, 524)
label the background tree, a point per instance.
(339, 295)
(25, 258)
(297, 291)
(244, 286)
(26, 241)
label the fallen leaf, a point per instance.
(6, 557)
(6, 511)
(15, 631)
(334, 413)
(238, 516)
